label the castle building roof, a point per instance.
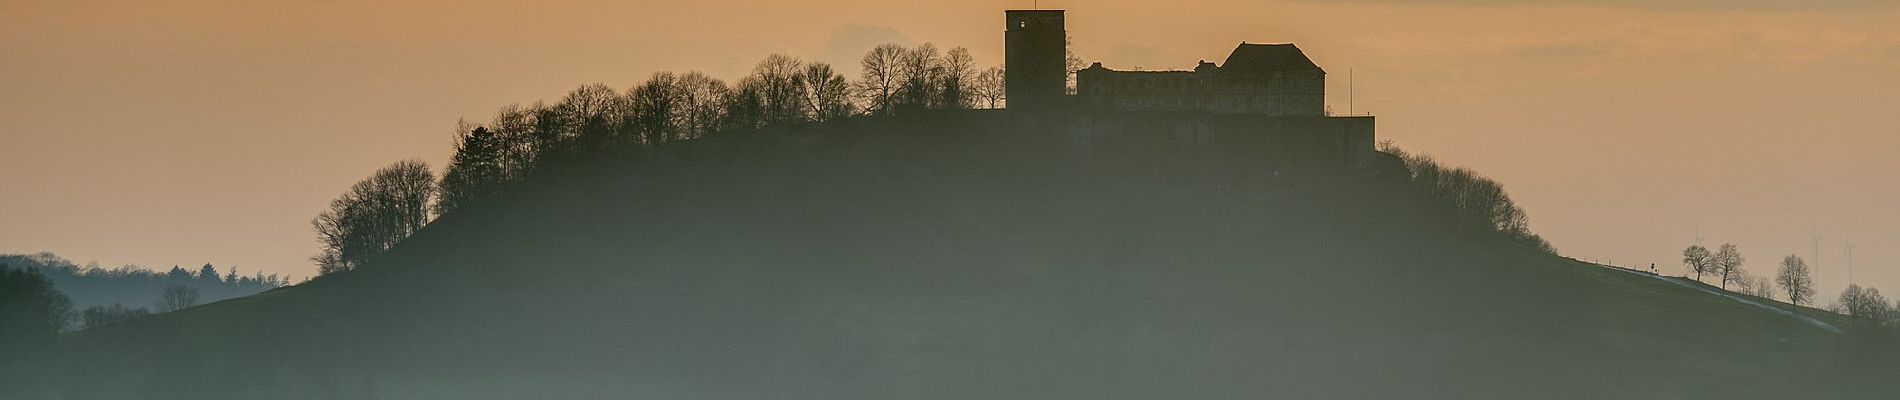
(1255, 57)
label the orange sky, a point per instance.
(186, 132)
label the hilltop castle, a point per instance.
(1268, 97)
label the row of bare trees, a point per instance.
(894, 77)
(667, 107)
(1867, 304)
(1794, 279)
(780, 91)
(1726, 263)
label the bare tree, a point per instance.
(705, 99)
(1728, 264)
(514, 128)
(374, 215)
(1070, 61)
(959, 74)
(659, 108)
(987, 87)
(1865, 304)
(781, 88)
(826, 95)
(1698, 259)
(177, 297)
(879, 81)
(1795, 280)
(918, 72)
(1758, 286)
(589, 116)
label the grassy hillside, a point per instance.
(967, 256)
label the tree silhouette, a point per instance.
(668, 107)
(1865, 304)
(1758, 286)
(919, 71)
(705, 99)
(955, 81)
(987, 87)
(32, 313)
(1728, 264)
(1476, 200)
(1070, 62)
(879, 80)
(1698, 259)
(30, 308)
(208, 275)
(475, 172)
(177, 297)
(590, 116)
(826, 94)
(659, 108)
(178, 274)
(374, 215)
(777, 89)
(1795, 280)
(515, 132)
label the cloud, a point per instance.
(848, 44)
(1562, 50)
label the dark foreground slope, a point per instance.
(955, 258)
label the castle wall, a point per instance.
(1299, 143)
(1271, 93)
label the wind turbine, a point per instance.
(1817, 256)
(1850, 262)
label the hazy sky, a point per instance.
(186, 132)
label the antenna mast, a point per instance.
(1349, 110)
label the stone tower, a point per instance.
(1035, 59)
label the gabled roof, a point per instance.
(1252, 57)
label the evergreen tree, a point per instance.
(474, 173)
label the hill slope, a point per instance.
(966, 257)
